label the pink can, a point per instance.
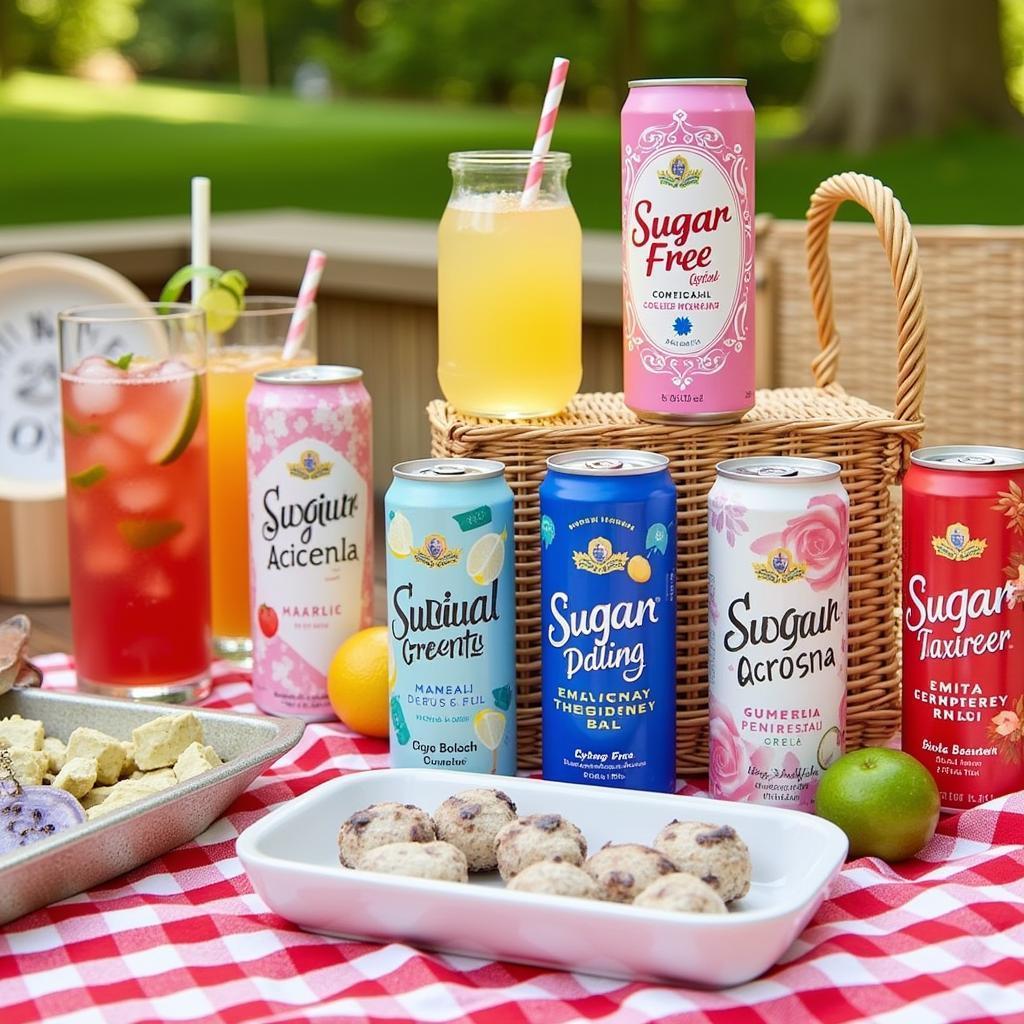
(310, 530)
(688, 249)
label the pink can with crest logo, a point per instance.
(688, 249)
(310, 530)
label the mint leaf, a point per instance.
(123, 362)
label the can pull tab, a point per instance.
(603, 464)
(446, 469)
(777, 471)
(975, 460)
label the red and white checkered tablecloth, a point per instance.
(184, 938)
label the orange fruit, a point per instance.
(357, 682)
(639, 569)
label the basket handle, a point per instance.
(897, 238)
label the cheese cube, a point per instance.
(77, 776)
(56, 752)
(95, 796)
(129, 767)
(29, 766)
(107, 752)
(128, 791)
(194, 760)
(155, 781)
(159, 743)
(21, 732)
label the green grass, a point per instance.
(75, 151)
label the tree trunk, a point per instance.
(350, 28)
(627, 36)
(251, 40)
(7, 41)
(909, 67)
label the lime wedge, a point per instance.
(76, 428)
(147, 533)
(186, 425)
(177, 281)
(222, 306)
(235, 281)
(88, 477)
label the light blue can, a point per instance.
(451, 616)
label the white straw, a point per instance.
(200, 233)
(304, 304)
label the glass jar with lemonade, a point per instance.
(509, 288)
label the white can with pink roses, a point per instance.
(778, 541)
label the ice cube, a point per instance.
(133, 427)
(94, 387)
(186, 543)
(156, 585)
(137, 494)
(114, 455)
(97, 368)
(171, 369)
(101, 556)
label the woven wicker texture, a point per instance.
(871, 445)
(974, 287)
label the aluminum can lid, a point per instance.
(781, 469)
(454, 471)
(310, 375)
(638, 83)
(966, 457)
(608, 462)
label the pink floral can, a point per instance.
(778, 530)
(688, 249)
(310, 530)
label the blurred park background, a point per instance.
(107, 107)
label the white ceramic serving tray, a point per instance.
(88, 854)
(291, 856)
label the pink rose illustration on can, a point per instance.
(731, 757)
(817, 538)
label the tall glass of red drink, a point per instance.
(133, 391)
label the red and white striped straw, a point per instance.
(548, 114)
(304, 304)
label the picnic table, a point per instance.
(185, 937)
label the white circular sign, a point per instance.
(34, 288)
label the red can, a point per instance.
(963, 620)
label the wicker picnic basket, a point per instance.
(871, 444)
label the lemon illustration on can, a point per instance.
(486, 558)
(400, 535)
(639, 569)
(489, 726)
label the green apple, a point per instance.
(885, 801)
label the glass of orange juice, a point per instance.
(508, 288)
(250, 344)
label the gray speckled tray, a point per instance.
(85, 855)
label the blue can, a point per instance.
(451, 616)
(608, 619)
